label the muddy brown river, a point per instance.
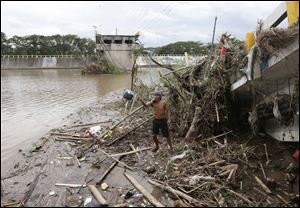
(35, 101)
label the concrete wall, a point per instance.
(120, 54)
(40, 62)
(118, 49)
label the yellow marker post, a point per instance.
(250, 39)
(292, 9)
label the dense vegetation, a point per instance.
(46, 45)
(192, 47)
(74, 45)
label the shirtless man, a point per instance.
(161, 114)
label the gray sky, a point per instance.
(160, 23)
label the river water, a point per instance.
(35, 101)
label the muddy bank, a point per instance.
(69, 155)
(52, 161)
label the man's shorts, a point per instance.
(162, 125)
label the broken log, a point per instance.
(179, 193)
(216, 163)
(114, 126)
(117, 160)
(131, 152)
(133, 148)
(141, 189)
(241, 196)
(97, 195)
(265, 188)
(108, 171)
(121, 137)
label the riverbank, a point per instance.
(51, 161)
(195, 168)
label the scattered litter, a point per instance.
(181, 156)
(52, 193)
(104, 186)
(87, 201)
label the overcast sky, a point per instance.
(159, 22)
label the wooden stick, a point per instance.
(117, 160)
(133, 102)
(214, 137)
(114, 126)
(73, 139)
(217, 112)
(241, 196)
(108, 171)
(68, 135)
(7, 204)
(265, 188)
(89, 124)
(263, 171)
(97, 195)
(216, 163)
(79, 165)
(31, 188)
(65, 158)
(179, 193)
(121, 137)
(266, 151)
(70, 185)
(141, 189)
(131, 152)
(133, 148)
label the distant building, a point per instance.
(118, 49)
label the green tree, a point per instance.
(47, 45)
(192, 47)
(5, 45)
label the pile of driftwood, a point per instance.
(95, 69)
(202, 92)
(269, 41)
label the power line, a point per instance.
(144, 14)
(166, 13)
(156, 17)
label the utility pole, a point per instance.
(211, 50)
(116, 31)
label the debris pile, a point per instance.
(94, 69)
(269, 41)
(202, 92)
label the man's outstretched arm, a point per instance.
(146, 104)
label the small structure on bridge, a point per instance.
(118, 49)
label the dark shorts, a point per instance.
(162, 125)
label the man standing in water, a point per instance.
(161, 114)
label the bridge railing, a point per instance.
(166, 59)
(42, 56)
